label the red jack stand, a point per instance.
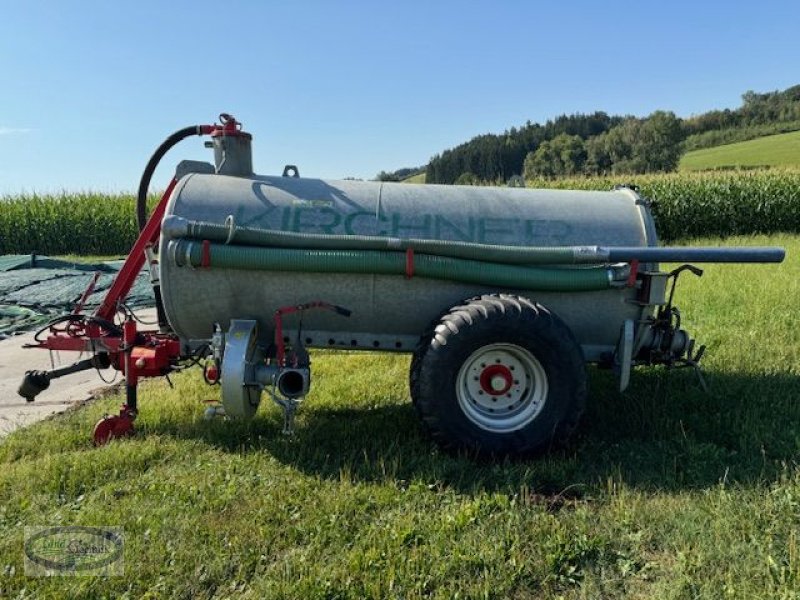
(121, 425)
(114, 426)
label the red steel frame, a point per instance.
(148, 353)
(136, 354)
(135, 259)
(153, 352)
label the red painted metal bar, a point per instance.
(634, 273)
(135, 260)
(409, 263)
(280, 343)
(88, 292)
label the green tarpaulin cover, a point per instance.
(35, 289)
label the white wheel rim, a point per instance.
(501, 387)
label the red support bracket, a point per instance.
(634, 273)
(205, 256)
(88, 292)
(409, 263)
(135, 259)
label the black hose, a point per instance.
(107, 325)
(144, 184)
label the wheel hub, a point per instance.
(501, 387)
(496, 379)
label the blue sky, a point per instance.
(89, 89)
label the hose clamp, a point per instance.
(231, 225)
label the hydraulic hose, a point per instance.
(147, 175)
(187, 253)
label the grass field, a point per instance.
(782, 150)
(666, 491)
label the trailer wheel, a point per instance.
(499, 375)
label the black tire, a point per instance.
(465, 381)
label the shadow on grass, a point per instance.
(665, 433)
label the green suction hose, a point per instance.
(229, 233)
(305, 260)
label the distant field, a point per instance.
(773, 150)
(418, 178)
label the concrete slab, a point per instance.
(15, 412)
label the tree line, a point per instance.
(597, 143)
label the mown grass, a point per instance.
(782, 150)
(666, 491)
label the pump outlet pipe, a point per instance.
(695, 254)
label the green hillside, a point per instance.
(599, 143)
(773, 150)
(418, 178)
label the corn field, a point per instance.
(81, 223)
(712, 203)
(685, 205)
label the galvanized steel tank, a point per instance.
(391, 312)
